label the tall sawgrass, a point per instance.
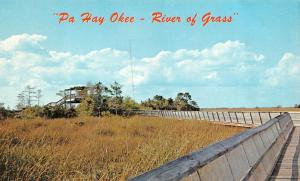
(109, 148)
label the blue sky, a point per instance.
(253, 61)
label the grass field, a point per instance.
(110, 148)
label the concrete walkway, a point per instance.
(288, 165)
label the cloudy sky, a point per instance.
(254, 61)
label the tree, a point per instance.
(86, 107)
(184, 102)
(115, 102)
(57, 111)
(39, 96)
(106, 99)
(21, 101)
(31, 112)
(159, 103)
(116, 90)
(100, 96)
(3, 112)
(130, 104)
(28, 97)
(70, 113)
(170, 104)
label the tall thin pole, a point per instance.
(131, 69)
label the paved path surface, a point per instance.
(288, 165)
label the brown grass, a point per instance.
(110, 148)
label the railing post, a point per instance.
(213, 115)
(218, 116)
(270, 115)
(203, 115)
(191, 112)
(207, 116)
(244, 117)
(260, 118)
(230, 117)
(199, 115)
(224, 116)
(251, 117)
(237, 119)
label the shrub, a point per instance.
(130, 104)
(70, 113)
(58, 112)
(31, 112)
(85, 108)
(3, 113)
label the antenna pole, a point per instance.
(131, 69)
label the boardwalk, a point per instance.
(251, 155)
(288, 167)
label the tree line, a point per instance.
(98, 100)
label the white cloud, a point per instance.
(285, 72)
(21, 41)
(224, 63)
(212, 76)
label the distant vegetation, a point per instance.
(5, 112)
(86, 148)
(182, 102)
(98, 100)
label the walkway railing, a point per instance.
(250, 155)
(244, 117)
